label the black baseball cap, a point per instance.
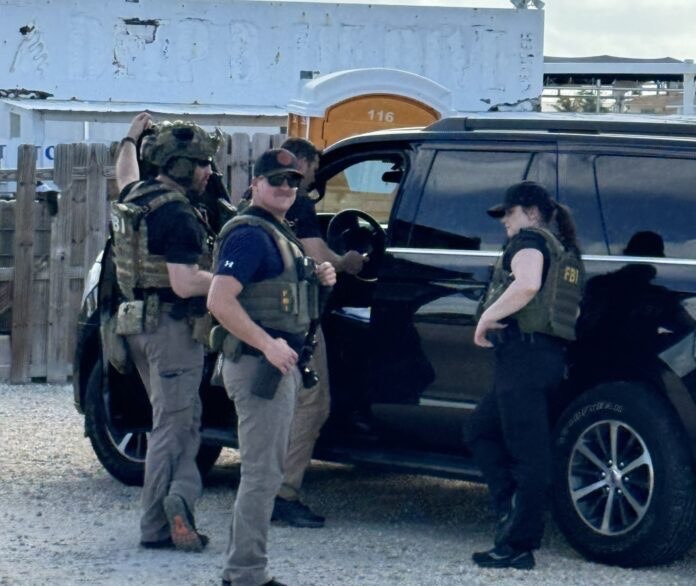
(525, 194)
(275, 162)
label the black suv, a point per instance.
(405, 374)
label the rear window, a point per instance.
(648, 198)
(461, 186)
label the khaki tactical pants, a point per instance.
(263, 427)
(170, 364)
(312, 408)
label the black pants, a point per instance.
(510, 437)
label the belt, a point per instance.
(249, 350)
(532, 337)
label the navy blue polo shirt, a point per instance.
(249, 254)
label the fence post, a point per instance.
(23, 264)
(277, 140)
(96, 202)
(223, 162)
(59, 261)
(239, 165)
(260, 142)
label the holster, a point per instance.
(220, 340)
(202, 327)
(266, 379)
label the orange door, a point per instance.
(362, 114)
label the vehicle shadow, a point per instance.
(427, 507)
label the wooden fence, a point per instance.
(45, 254)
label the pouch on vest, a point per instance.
(492, 294)
(152, 314)
(114, 347)
(130, 318)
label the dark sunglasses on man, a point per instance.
(277, 180)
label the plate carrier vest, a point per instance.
(287, 302)
(136, 267)
(555, 308)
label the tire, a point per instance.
(633, 504)
(123, 453)
(206, 458)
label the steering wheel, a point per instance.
(356, 230)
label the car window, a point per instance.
(367, 185)
(648, 198)
(461, 186)
(579, 193)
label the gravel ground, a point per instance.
(66, 521)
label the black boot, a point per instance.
(295, 513)
(504, 556)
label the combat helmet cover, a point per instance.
(179, 139)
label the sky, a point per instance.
(623, 28)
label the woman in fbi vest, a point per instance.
(527, 316)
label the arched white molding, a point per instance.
(322, 92)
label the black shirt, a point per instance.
(302, 216)
(527, 239)
(173, 231)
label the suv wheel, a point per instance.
(624, 485)
(122, 453)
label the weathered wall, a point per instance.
(255, 53)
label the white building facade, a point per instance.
(238, 64)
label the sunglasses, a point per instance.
(277, 180)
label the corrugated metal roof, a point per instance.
(601, 66)
(134, 107)
(608, 59)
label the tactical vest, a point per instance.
(287, 302)
(555, 307)
(136, 267)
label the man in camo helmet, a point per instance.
(160, 244)
(172, 146)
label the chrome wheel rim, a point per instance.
(131, 445)
(610, 477)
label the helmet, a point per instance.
(179, 139)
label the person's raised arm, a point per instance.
(127, 170)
